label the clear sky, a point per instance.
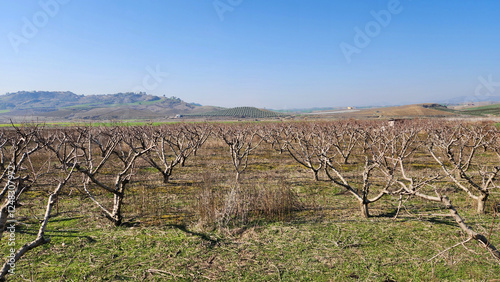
(267, 53)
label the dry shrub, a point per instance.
(208, 201)
(243, 203)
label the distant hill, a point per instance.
(239, 112)
(56, 105)
(38, 99)
(68, 106)
(488, 110)
(417, 110)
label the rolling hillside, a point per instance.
(489, 110)
(417, 110)
(46, 105)
(68, 106)
(238, 112)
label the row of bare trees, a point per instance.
(417, 159)
(366, 158)
(106, 158)
(118, 149)
(465, 154)
(24, 161)
(337, 148)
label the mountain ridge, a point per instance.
(66, 105)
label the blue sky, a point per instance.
(276, 54)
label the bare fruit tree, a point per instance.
(458, 145)
(305, 142)
(273, 134)
(380, 147)
(116, 148)
(198, 135)
(172, 145)
(55, 144)
(18, 145)
(345, 135)
(242, 140)
(421, 187)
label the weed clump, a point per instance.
(241, 204)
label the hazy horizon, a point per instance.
(279, 55)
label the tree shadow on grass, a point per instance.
(435, 219)
(59, 219)
(203, 236)
(33, 227)
(58, 233)
(390, 214)
(444, 221)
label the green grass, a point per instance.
(445, 109)
(100, 105)
(483, 110)
(70, 124)
(49, 124)
(84, 106)
(326, 241)
(147, 102)
(114, 123)
(313, 247)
